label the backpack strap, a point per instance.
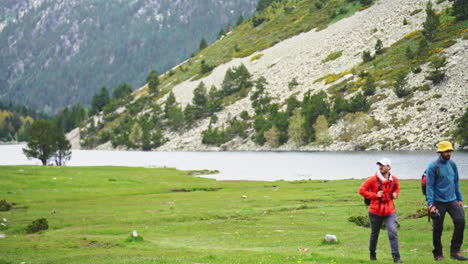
(455, 169)
(379, 183)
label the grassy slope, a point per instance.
(278, 222)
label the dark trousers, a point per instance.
(458, 218)
(391, 222)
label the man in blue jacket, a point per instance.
(443, 195)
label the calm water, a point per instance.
(264, 166)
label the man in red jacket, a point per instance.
(382, 188)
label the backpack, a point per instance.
(424, 176)
(367, 201)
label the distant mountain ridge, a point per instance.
(57, 53)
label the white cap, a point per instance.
(384, 162)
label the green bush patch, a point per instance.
(4, 205)
(37, 225)
(333, 56)
(360, 220)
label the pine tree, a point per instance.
(378, 47)
(399, 86)
(369, 86)
(460, 9)
(122, 91)
(153, 82)
(437, 75)
(203, 44)
(240, 19)
(199, 100)
(170, 103)
(431, 24)
(214, 103)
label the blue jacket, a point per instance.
(446, 188)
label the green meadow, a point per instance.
(92, 211)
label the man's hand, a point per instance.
(394, 195)
(461, 204)
(379, 194)
(432, 208)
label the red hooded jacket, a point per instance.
(380, 206)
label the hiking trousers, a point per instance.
(391, 222)
(458, 218)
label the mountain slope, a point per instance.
(301, 57)
(416, 121)
(57, 53)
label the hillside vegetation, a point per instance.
(378, 97)
(90, 213)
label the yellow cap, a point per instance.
(444, 146)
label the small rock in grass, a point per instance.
(331, 238)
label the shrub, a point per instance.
(437, 75)
(245, 115)
(424, 88)
(369, 86)
(421, 212)
(378, 47)
(405, 22)
(400, 84)
(257, 20)
(416, 69)
(4, 205)
(37, 225)
(205, 67)
(333, 56)
(293, 83)
(360, 220)
(409, 53)
(318, 5)
(415, 12)
(256, 57)
(366, 56)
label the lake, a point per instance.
(262, 166)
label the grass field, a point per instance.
(91, 212)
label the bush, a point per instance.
(257, 20)
(416, 69)
(37, 225)
(360, 220)
(4, 205)
(333, 56)
(245, 115)
(399, 86)
(366, 56)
